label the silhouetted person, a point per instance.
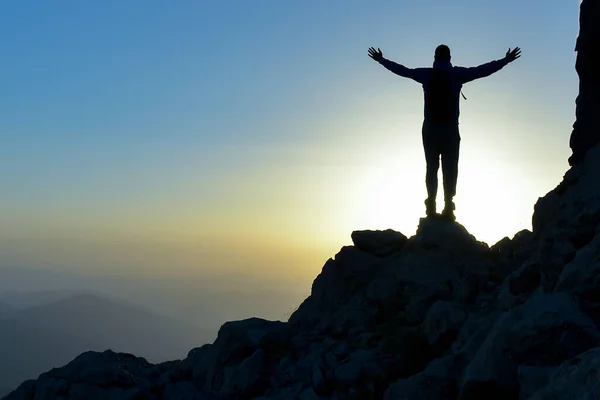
(442, 87)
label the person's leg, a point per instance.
(432, 158)
(450, 153)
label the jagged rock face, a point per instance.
(585, 130)
(550, 322)
(358, 289)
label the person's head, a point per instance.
(442, 53)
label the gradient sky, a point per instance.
(258, 134)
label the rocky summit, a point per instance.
(438, 315)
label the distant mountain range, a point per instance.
(38, 338)
(6, 309)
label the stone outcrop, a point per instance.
(585, 130)
(379, 243)
(438, 315)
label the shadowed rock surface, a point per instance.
(585, 130)
(438, 316)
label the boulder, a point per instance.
(379, 243)
(181, 391)
(544, 331)
(236, 341)
(439, 381)
(533, 379)
(585, 129)
(449, 236)
(249, 378)
(442, 323)
(576, 378)
(333, 290)
(348, 373)
(581, 277)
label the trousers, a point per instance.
(441, 140)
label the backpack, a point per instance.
(441, 103)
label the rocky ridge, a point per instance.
(435, 316)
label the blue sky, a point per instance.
(263, 126)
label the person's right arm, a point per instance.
(417, 74)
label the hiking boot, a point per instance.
(448, 212)
(430, 209)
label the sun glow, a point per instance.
(391, 193)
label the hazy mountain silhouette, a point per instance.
(28, 349)
(42, 337)
(6, 309)
(30, 279)
(118, 325)
(21, 300)
(204, 301)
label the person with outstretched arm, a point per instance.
(442, 87)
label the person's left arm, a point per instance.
(487, 69)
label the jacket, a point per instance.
(458, 75)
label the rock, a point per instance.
(532, 379)
(341, 350)
(467, 289)
(348, 373)
(442, 323)
(308, 394)
(379, 243)
(544, 322)
(357, 289)
(194, 366)
(181, 391)
(515, 250)
(87, 391)
(254, 332)
(173, 369)
(91, 375)
(581, 276)
(372, 367)
(249, 378)
(520, 284)
(235, 342)
(585, 129)
(318, 380)
(292, 392)
(407, 352)
(26, 390)
(473, 333)
(450, 236)
(576, 378)
(439, 381)
(333, 303)
(332, 291)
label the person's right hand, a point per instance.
(512, 55)
(375, 54)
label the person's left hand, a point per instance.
(512, 55)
